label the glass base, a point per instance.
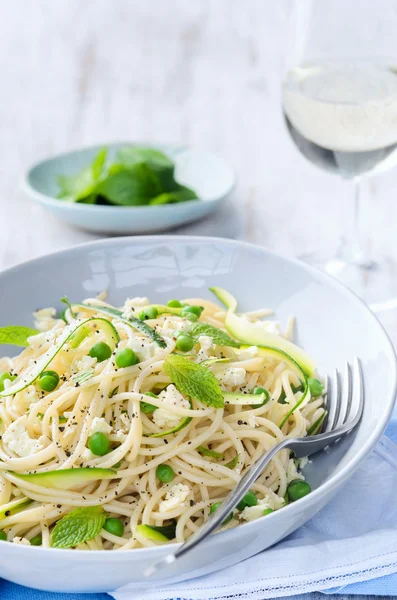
(374, 281)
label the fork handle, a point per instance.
(228, 504)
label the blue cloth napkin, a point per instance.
(361, 560)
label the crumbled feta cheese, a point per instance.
(21, 540)
(251, 420)
(251, 352)
(126, 422)
(83, 364)
(250, 513)
(162, 417)
(292, 471)
(99, 425)
(45, 318)
(132, 305)
(234, 376)
(30, 395)
(175, 498)
(18, 440)
(172, 324)
(38, 340)
(271, 500)
(87, 455)
(302, 462)
(143, 347)
(119, 435)
(206, 344)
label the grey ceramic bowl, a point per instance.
(333, 325)
(210, 177)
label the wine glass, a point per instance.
(339, 98)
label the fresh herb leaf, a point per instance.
(174, 197)
(194, 380)
(16, 335)
(132, 187)
(315, 387)
(207, 452)
(167, 530)
(82, 185)
(78, 526)
(218, 336)
(158, 162)
(233, 463)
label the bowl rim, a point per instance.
(324, 489)
(47, 200)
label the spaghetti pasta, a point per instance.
(149, 421)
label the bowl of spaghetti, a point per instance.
(142, 378)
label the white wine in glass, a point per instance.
(339, 98)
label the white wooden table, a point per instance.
(204, 73)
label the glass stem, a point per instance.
(353, 250)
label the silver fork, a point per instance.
(344, 404)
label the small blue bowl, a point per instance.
(211, 178)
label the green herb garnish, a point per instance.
(78, 526)
(16, 335)
(194, 380)
(219, 337)
(139, 176)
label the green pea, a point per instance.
(3, 378)
(3, 535)
(150, 312)
(184, 343)
(126, 358)
(190, 316)
(101, 351)
(174, 304)
(37, 540)
(249, 499)
(215, 506)
(195, 310)
(315, 387)
(267, 511)
(48, 380)
(165, 473)
(297, 489)
(114, 526)
(99, 444)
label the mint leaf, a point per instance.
(173, 197)
(207, 452)
(194, 380)
(132, 187)
(81, 186)
(218, 336)
(132, 155)
(78, 526)
(16, 335)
